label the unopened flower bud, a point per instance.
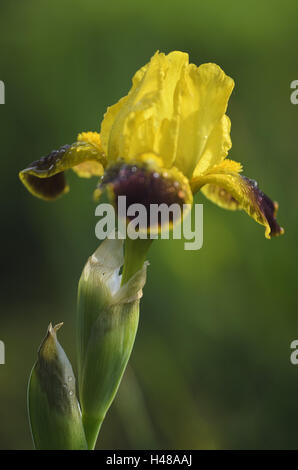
(107, 321)
(54, 412)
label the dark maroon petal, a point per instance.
(42, 177)
(142, 186)
(48, 188)
(266, 206)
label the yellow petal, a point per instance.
(88, 169)
(175, 110)
(204, 132)
(224, 186)
(45, 179)
(92, 138)
(217, 147)
(93, 167)
(138, 122)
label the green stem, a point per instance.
(134, 256)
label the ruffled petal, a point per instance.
(138, 123)
(204, 131)
(174, 110)
(45, 178)
(224, 186)
(217, 147)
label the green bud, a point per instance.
(54, 411)
(107, 321)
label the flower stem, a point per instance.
(134, 256)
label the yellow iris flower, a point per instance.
(163, 142)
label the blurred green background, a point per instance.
(210, 367)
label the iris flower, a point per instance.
(167, 139)
(163, 142)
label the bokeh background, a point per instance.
(211, 364)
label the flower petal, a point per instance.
(89, 168)
(217, 147)
(146, 182)
(204, 132)
(224, 186)
(138, 122)
(175, 110)
(45, 179)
